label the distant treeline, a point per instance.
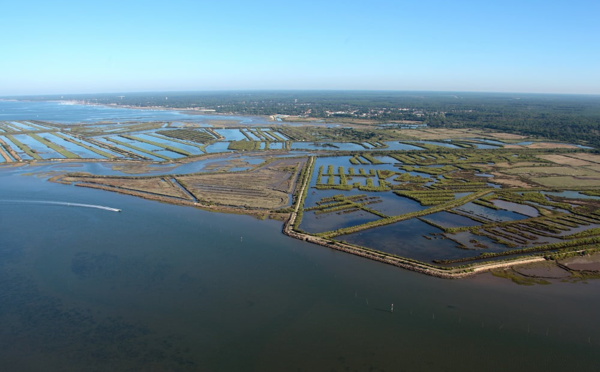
(572, 118)
(559, 117)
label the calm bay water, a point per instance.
(158, 287)
(75, 113)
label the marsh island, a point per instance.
(443, 201)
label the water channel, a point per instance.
(158, 287)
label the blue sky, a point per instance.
(462, 45)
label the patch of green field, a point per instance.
(244, 145)
(192, 135)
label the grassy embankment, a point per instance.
(8, 152)
(158, 144)
(347, 204)
(403, 217)
(201, 147)
(87, 147)
(24, 147)
(137, 148)
(61, 150)
(456, 178)
(202, 136)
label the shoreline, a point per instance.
(406, 263)
(409, 264)
(281, 119)
(287, 229)
(183, 110)
(290, 220)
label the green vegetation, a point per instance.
(61, 150)
(403, 217)
(142, 150)
(202, 147)
(23, 147)
(158, 144)
(303, 181)
(518, 278)
(244, 145)
(429, 197)
(434, 171)
(276, 136)
(8, 127)
(371, 158)
(347, 204)
(410, 179)
(192, 135)
(571, 118)
(545, 234)
(573, 245)
(441, 156)
(117, 149)
(591, 192)
(103, 129)
(489, 176)
(87, 147)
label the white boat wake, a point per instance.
(66, 204)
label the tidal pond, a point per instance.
(412, 239)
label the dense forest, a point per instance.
(573, 118)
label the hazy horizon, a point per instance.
(71, 47)
(333, 91)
